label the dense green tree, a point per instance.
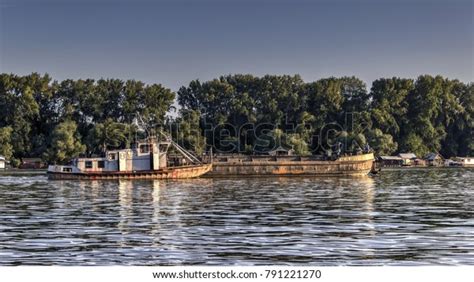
(65, 143)
(382, 144)
(460, 125)
(325, 100)
(19, 110)
(131, 101)
(156, 102)
(389, 106)
(298, 143)
(6, 149)
(109, 93)
(279, 99)
(355, 96)
(107, 135)
(43, 123)
(432, 108)
(186, 130)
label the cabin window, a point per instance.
(101, 164)
(88, 164)
(67, 169)
(144, 148)
(112, 156)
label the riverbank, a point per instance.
(22, 171)
(425, 168)
(27, 172)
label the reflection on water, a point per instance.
(401, 217)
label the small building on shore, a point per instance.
(32, 163)
(465, 161)
(408, 159)
(3, 162)
(390, 161)
(434, 159)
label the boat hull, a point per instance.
(350, 165)
(167, 173)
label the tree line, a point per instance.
(56, 121)
(429, 114)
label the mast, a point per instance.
(186, 154)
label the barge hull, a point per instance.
(351, 166)
(168, 173)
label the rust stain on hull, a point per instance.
(168, 173)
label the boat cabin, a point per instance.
(143, 156)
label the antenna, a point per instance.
(141, 124)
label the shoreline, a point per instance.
(16, 171)
(425, 167)
(8, 172)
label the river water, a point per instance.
(399, 217)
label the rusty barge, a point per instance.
(241, 165)
(147, 159)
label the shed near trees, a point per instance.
(32, 163)
(2, 162)
(408, 158)
(434, 159)
(390, 161)
(468, 161)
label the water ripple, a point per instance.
(401, 217)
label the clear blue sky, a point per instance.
(173, 42)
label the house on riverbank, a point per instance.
(465, 161)
(3, 162)
(390, 161)
(434, 159)
(409, 159)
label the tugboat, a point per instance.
(147, 159)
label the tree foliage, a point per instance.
(33, 106)
(187, 132)
(65, 143)
(239, 113)
(6, 149)
(107, 135)
(429, 114)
